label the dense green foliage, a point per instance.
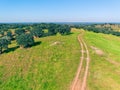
(25, 40)
(19, 31)
(24, 33)
(37, 32)
(4, 41)
(64, 29)
(22, 28)
(1, 33)
(100, 28)
(9, 34)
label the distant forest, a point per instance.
(24, 34)
(113, 29)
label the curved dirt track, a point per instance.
(80, 83)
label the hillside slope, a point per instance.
(104, 70)
(49, 65)
(52, 63)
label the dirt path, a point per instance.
(77, 85)
(83, 87)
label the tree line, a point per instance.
(24, 34)
(99, 29)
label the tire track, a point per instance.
(76, 82)
(83, 86)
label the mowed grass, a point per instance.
(104, 71)
(49, 65)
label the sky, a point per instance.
(59, 10)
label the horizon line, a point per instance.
(63, 22)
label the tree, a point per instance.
(1, 33)
(64, 29)
(4, 42)
(38, 32)
(25, 40)
(19, 31)
(52, 30)
(9, 34)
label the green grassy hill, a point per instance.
(49, 65)
(52, 63)
(104, 68)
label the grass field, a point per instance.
(52, 63)
(104, 71)
(49, 65)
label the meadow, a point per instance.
(48, 65)
(104, 70)
(51, 64)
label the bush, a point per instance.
(19, 31)
(25, 40)
(4, 42)
(9, 34)
(37, 32)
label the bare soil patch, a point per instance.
(97, 51)
(77, 84)
(55, 43)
